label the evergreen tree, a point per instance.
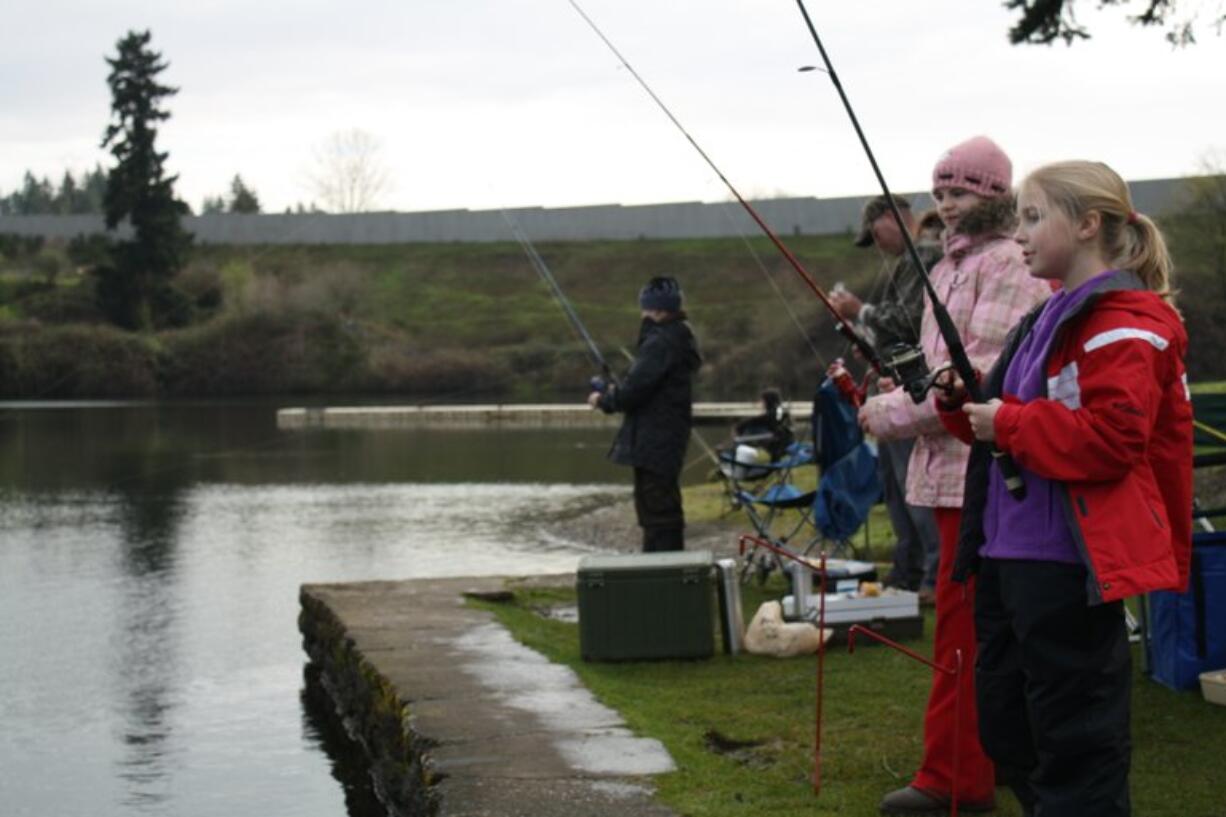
(135, 291)
(242, 198)
(67, 198)
(36, 197)
(212, 205)
(93, 190)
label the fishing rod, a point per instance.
(770, 279)
(917, 368)
(846, 329)
(600, 384)
(543, 270)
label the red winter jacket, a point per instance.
(1115, 428)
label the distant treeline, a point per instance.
(85, 196)
(72, 197)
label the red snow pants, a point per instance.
(955, 629)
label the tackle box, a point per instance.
(894, 614)
(853, 608)
(646, 606)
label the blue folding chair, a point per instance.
(847, 488)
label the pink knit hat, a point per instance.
(977, 165)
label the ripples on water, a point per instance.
(151, 658)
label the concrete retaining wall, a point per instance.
(372, 709)
(788, 216)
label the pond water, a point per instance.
(150, 559)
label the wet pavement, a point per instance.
(500, 729)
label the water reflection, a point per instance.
(150, 506)
(322, 725)
(240, 444)
(149, 567)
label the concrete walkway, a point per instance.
(495, 728)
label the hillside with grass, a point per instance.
(427, 321)
(447, 322)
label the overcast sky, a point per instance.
(481, 103)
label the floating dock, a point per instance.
(499, 415)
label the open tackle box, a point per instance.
(893, 613)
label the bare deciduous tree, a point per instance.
(348, 175)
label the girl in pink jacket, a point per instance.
(983, 282)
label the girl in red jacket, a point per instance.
(1090, 399)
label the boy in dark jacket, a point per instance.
(656, 398)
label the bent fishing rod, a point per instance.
(949, 332)
(607, 378)
(865, 348)
(543, 270)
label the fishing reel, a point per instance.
(906, 364)
(598, 384)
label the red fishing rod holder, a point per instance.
(757, 541)
(955, 671)
(747, 539)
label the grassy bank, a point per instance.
(443, 321)
(447, 322)
(708, 503)
(741, 729)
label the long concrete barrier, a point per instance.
(504, 416)
(802, 215)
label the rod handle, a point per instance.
(1011, 474)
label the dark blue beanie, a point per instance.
(661, 293)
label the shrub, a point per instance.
(203, 284)
(443, 373)
(19, 246)
(75, 362)
(172, 307)
(259, 353)
(66, 304)
(88, 251)
(337, 289)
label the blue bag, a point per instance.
(1187, 631)
(849, 486)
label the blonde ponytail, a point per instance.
(1130, 240)
(1144, 252)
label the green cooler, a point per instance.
(646, 606)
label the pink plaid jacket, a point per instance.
(987, 289)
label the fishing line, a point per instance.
(849, 331)
(543, 269)
(949, 332)
(774, 284)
